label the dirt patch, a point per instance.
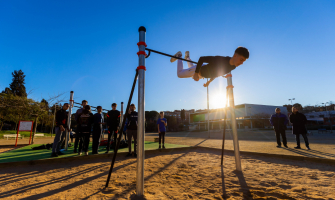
(181, 175)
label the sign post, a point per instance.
(24, 126)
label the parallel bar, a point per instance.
(233, 124)
(141, 117)
(69, 121)
(91, 106)
(224, 126)
(164, 54)
(121, 130)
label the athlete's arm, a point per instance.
(208, 82)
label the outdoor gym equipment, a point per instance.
(140, 73)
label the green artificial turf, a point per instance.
(27, 154)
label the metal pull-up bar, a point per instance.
(164, 54)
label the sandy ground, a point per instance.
(174, 175)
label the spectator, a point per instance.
(279, 122)
(161, 124)
(85, 123)
(299, 121)
(132, 129)
(76, 116)
(61, 124)
(113, 123)
(97, 129)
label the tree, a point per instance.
(17, 86)
(7, 91)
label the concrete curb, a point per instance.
(152, 151)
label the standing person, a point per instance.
(279, 122)
(299, 121)
(97, 129)
(85, 123)
(113, 123)
(161, 124)
(76, 116)
(61, 125)
(132, 129)
(216, 65)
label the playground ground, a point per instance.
(185, 174)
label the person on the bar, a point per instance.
(216, 65)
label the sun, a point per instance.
(217, 100)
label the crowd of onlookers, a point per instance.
(298, 120)
(92, 125)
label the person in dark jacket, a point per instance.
(299, 121)
(279, 122)
(61, 125)
(132, 129)
(113, 123)
(76, 117)
(85, 124)
(97, 130)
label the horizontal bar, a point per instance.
(164, 54)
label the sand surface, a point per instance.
(175, 175)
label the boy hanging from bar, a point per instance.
(216, 65)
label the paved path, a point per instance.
(322, 145)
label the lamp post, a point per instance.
(291, 100)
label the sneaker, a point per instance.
(308, 148)
(187, 55)
(285, 145)
(178, 54)
(278, 146)
(54, 155)
(297, 147)
(60, 153)
(163, 147)
(128, 155)
(86, 153)
(79, 153)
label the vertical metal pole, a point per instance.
(121, 114)
(141, 116)
(233, 122)
(53, 122)
(209, 135)
(69, 120)
(121, 120)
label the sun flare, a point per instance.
(217, 100)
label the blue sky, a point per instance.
(90, 47)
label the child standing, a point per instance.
(161, 124)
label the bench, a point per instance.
(12, 136)
(39, 135)
(322, 130)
